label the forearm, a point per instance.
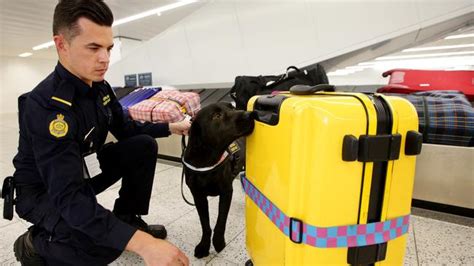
(139, 242)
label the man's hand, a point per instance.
(155, 251)
(181, 127)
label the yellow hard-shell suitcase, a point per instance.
(329, 178)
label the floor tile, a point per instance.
(235, 251)
(167, 180)
(6, 169)
(439, 242)
(128, 258)
(9, 234)
(217, 261)
(160, 167)
(451, 218)
(188, 227)
(9, 120)
(188, 249)
(410, 251)
(108, 197)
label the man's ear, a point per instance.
(61, 43)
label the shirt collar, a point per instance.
(80, 86)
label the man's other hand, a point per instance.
(180, 128)
(156, 251)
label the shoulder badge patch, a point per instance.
(58, 127)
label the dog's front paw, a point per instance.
(202, 250)
(219, 242)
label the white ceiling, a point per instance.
(27, 23)
(367, 65)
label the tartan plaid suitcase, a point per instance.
(445, 117)
(413, 80)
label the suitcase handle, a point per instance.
(307, 90)
(267, 108)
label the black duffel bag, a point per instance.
(247, 86)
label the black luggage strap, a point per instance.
(357, 235)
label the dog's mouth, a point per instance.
(246, 123)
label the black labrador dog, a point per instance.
(211, 161)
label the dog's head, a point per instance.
(218, 124)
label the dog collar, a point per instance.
(208, 168)
(233, 148)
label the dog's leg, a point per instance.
(218, 239)
(202, 249)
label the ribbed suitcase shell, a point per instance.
(298, 165)
(413, 80)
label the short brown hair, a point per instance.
(67, 12)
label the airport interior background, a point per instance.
(202, 46)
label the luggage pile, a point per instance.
(412, 80)
(441, 99)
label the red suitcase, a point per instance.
(412, 80)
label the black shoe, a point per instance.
(156, 230)
(25, 251)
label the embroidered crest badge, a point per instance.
(58, 127)
(105, 100)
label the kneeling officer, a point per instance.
(66, 117)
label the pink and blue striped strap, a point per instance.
(357, 235)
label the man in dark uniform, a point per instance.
(66, 117)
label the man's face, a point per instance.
(87, 54)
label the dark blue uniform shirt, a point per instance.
(62, 119)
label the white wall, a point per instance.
(19, 75)
(227, 38)
(122, 47)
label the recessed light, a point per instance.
(156, 11)
(438, 47)
(43, 45)
(25, 54)
(459, 36)
(422, 55)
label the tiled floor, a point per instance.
(447, 239)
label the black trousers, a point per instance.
(133, 160)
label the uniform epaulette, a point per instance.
(63, 95)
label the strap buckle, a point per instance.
(298, 233)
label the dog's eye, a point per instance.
(217, 116)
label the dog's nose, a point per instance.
(250, 115)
